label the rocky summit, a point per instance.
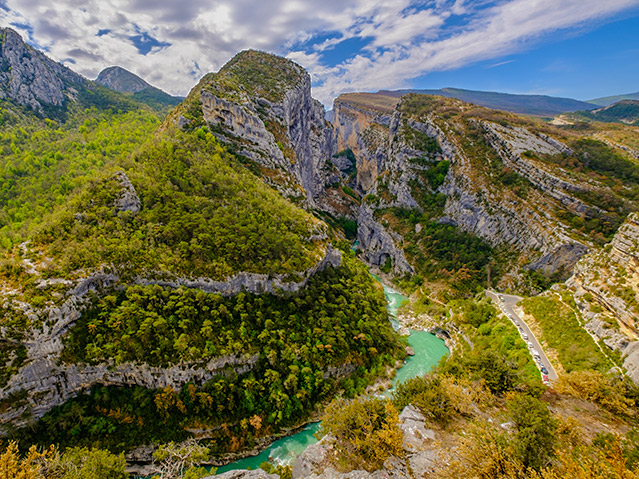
(118, 79)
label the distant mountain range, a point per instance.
(537, 105)
(609, 100)
(121, 80)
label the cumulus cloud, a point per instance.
(172, 44)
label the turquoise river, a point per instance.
(428, 351)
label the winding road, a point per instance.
(507, 305)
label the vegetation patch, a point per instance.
(202, 215)
(562, 332)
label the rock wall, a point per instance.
(606, 288)
(290, 136)
(510, 143)
(254, 282)
(378, 244)
(31, 79)
(365, 132)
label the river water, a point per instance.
(428, 348)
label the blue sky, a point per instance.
(600, 61)
(576, 48)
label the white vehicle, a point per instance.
(525, 336)
(530, 345)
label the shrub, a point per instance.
(366, 431)
(610, 393)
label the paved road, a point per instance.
(508, 307)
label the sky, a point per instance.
(575, 48)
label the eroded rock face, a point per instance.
(512, 143)
(289, 136)
(378, 244)
(31, 79)
(606, 288)
(128, 199)
(365, 132)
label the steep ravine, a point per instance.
(428, 350)
(377, 136)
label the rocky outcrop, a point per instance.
(378, 244)
(419, 443)
(511, 143)
(606, 288)
(118, 79)
(128, 199)
(560, 260)
(242, 121)
(254, 282)
(30, 78)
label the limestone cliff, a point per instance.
(261, 106)
(31, 79)
(503, 184)
(606, 288)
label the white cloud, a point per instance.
(406, 38)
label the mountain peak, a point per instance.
(261, 74)
(122, 80)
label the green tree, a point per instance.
(535, 439)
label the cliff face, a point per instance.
(516, 183)
(277, 124)
(606, 289)
(31, 79)
(501, 217)
(387, 142)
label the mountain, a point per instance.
(30, 79)
(118, 79)
(537, 105)
(609, 100)
(260, 106)
(624, 111)
(168, 281)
